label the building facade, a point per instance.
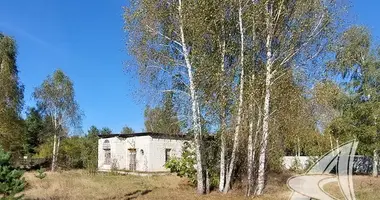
(142, 152)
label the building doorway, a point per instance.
(132, 159)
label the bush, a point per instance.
(184, 166)
(11, 181)
(41, 173)
(74, 153)
(296, 166)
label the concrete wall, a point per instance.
(118, 153)
(150, 152)
(158, 147)
(288, 161)
(142, 146)
(361, 164)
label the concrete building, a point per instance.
(145, 152)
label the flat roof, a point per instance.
(152, 134)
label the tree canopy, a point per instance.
(11, 97)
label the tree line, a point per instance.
(266, 78)
(51, 130)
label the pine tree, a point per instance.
(11, 181)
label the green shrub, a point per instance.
(11, 180)
(184, 166)
(40, 173)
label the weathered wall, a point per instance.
(361, 164)
(139, 143)
(289, 161)
(158, 146)
(150, 152)
(118, 153)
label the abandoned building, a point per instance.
(145, 152)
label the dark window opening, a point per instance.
(167, 155)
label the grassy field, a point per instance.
(80, 185)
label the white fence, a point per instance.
(361, 164)
(289, 161)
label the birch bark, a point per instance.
(222, 119)
(240, 105)
(268, 82)
(194, 106)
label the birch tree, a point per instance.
(240, 102)
(358, 64)
(202, 52)
(294, 31)
(165, 41)
(57, 99)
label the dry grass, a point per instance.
(365, 187)
(80, 185)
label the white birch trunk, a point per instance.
(54, 160)
(268, 82)
(194, 107)
(57, 150)
(222, 158)
(298, 148)
(375, 163)
(252, 142)
(331, 145)
(375, 158)
(240, 106)
(222, 121)
(207, 182)
(250, 156)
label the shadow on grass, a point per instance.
(130, 195)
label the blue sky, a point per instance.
(86, 40)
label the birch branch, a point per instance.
(161, 34)
(310, 37)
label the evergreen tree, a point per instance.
(11, 181)
(162, 119)
(105, 131)
(34, 129)
(93, 132)
(127, 130)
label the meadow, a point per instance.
(78, 184)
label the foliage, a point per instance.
(127, 130)
(40, 173)
(311, 161)
(45, 150)
(70, 154)
(11, 98)
(93, 132)
(185, 165)
(105, 131)
(162, 119)
(11, 180)
(359, 65)
(34, 129)
(296, 166)
(56, 97)
(222, 59)
(75, 151)
(90, 150)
